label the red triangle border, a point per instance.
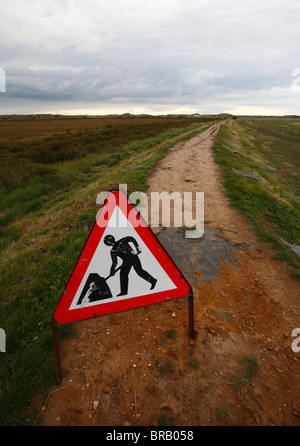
(63, 314)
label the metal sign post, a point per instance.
(191, 314)
(56, 350)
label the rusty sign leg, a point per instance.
(191, 315)
(56, 350)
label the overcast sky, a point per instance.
(150, 56)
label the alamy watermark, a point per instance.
(2, 81)
(2, 341)
(296, 342)
(187, 210)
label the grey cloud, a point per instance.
(155, 52)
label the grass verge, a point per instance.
(271, 203)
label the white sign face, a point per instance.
(137, 272)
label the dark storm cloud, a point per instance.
(214, 53)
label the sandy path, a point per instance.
(190, 167)
(123, 370)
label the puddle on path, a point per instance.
(206, 254)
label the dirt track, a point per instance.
(123, 370)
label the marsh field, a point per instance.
(51, 170)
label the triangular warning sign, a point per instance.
(122, 266)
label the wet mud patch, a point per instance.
(207, 254)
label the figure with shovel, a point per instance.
(127, 249)
(96, 287)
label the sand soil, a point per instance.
(139, 368)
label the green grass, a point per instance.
(166, 368)
(39, 251)
(170, 333)
(247, 373)
(193, 363)
(223, 412)
(226, 316)
(165, 420)
(207, 381)
(115, 386)
(270, 206)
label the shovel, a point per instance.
(95, 289)
(111, 275)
